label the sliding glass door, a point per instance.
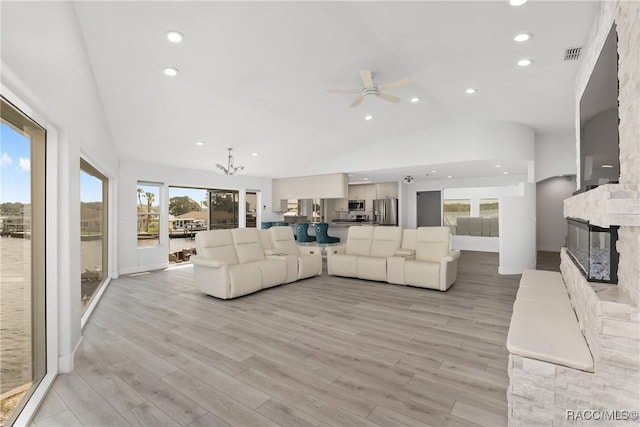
(22, 260)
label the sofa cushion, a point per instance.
(422, 273)
(359, 240)
(372, 268)
(273, 271)
(216, 244)
(385, 241)
(282, 238)
(409, 238)
(432, 243)
(343, 265)
(244, 279)
(247, 245)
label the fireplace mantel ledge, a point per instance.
(606, 205)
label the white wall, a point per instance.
(131, 259)
(551, 226)
(555, 155)
(44, 64)
(518, 230)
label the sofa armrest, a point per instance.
(449, 269)
(270, 252)
(451, 256)
(404, 252)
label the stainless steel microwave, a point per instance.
(356, 205)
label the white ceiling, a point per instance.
(254, 76)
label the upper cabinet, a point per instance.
(386, 190)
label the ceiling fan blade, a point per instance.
(398, 83)
(367, 80)
(344, 90)
(356, 102)
(388, 97)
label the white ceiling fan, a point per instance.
(369, 89)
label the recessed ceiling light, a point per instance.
(470, 90)
(415, 99)
(434, 171)
(254, 154)
(517, 2)
(368, 117)
(199, 143)
(523, 37)
(170, 71)
(449, 176)
(498, 166)
(607, 166)
(505, 173)
(366, 179)
(174, 36)
(525, 62)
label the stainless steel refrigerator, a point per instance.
(385, 211)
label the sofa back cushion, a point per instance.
(282, 238)
(359, 240)
(216, 244)
(265, 238)
(247, 244)
(385, 241)
(432, 243)
(409, 238)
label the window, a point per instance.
(317, 210)
(251, 212)
(454, 209)
(489, 208)
(223, 209)
(294, 207)
(148, 215)
(188, 214)
(22, 259)
(93, 231)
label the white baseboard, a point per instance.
(67, 362)
(141, 269)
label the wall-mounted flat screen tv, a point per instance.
(599, 145)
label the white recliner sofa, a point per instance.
(364, 254)
(424, 259)
(232, 263)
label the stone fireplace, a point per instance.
(542, 393)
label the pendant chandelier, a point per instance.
(230, 169)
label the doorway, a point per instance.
(429, 208)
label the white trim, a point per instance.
(66, 362)
(94, 302)
(51, 247)
(145, 268)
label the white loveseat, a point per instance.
(232, 263)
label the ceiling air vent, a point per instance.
(572, 53)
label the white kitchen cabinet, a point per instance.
(386, 190)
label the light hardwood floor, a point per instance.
(322, 351)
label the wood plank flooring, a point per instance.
(322, 351)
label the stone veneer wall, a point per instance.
(541, 393)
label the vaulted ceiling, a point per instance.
(254, 76)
